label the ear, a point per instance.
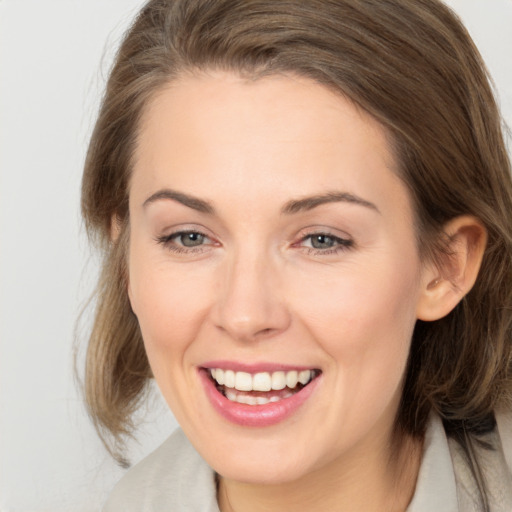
(445, 282)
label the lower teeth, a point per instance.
(253, 400)
(261, 398)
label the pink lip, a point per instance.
(253, 367)
(255, 415)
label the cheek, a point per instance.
(354, 301)
(170, 306)
(364, 322)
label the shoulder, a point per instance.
(494, 459)
(173, 475)
(446, 482)
(504, 423)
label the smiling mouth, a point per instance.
(260, 388)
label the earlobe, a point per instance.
(446, 282)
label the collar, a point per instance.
(436, 488)
(176, 476)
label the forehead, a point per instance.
(285, 134)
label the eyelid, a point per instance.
(169, 231)
(322, 230)
(343, 241)
(167, 240)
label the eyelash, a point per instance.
(168, 242)
(342, 244)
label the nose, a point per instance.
(250, 304)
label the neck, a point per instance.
(380, 481)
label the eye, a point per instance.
(185, 241)
(324, 243)
(190, 239)
(321, 241)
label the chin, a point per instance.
(262, 471)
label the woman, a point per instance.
(305, 213)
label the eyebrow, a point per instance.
(291, 207)
(308, 203)
(192, 202)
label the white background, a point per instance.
(54, 56)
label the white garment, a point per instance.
(175, 477)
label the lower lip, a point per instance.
(256, 415)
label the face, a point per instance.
(272, 245)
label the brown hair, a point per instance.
(413, 67)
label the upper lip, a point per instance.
(238, 366)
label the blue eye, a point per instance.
(322, 241)
(190, 239)
(325, 243)
(184, 241)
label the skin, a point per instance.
(255, 290)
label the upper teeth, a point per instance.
(263, 381)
